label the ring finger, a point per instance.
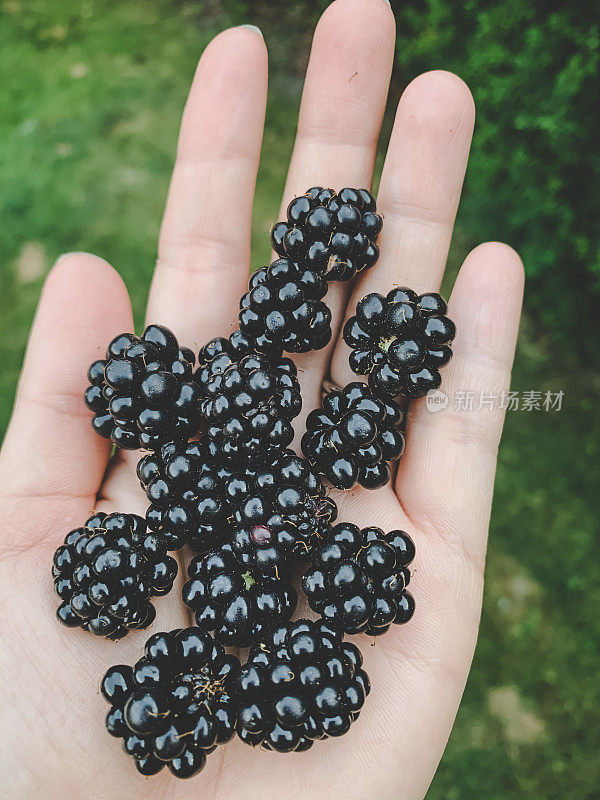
(419, 192)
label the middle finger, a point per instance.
(342, 107)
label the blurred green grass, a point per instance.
(94, 93)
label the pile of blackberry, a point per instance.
(142, 393)
(106, 572)
(221, 479)
(175, 705)
(302, 683)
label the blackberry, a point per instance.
(250, 407)
(188, 493)
(332, 234)
(282, 309)
(142, 393)
(358, 579)
(106, 572)
(280, 512)
(175, 705)
(353, 437)
(217, 355)
(300, 684)
(239, 607)
(400, 341)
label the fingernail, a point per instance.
(69, 253)
(255, 29)
(74, 253)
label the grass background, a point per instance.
(93, 95)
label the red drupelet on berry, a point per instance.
(280, 512)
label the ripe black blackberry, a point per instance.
(175, 705)
(358, 579)
(250, 407)
(238, 607)
(217, 355)
(283, 309)
(353, 436)
(400, 341)
(332, 234)
(188, 492)
(280, 512)
(106, 572)
(142, 394)
(300, 684)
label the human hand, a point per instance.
(52, 466)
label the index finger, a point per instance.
(204, 249)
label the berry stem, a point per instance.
(248, 580)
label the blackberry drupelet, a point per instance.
(332, 234)
(300, 684)
(175, 705)
(353, 436)
(280, 513)
(106, 572)
(239, 607)
(283, 309)
(188, 492)
(142, 393)
(250, 407)
(400, 341)
(358, 578)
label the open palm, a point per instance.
(52, 468)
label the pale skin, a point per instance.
(52, 466)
